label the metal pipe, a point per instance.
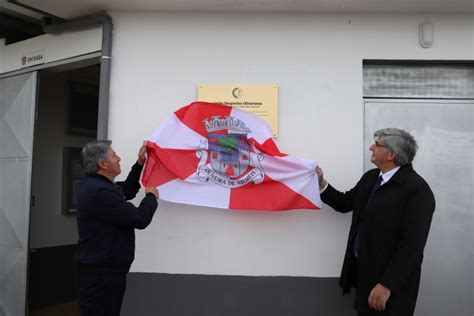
(105, 63)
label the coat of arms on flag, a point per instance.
(232, 163)
(215, 155)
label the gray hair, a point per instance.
(93, 153)
(400, 142)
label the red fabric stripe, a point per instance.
(193, 114)
(173, 163)
(268, 147)
(155, 173)
(269, 195)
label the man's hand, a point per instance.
(152, 190)
(141, 154)
(322, 182)
(378, 297)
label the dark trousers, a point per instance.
(100, 290)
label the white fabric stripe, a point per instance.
(192, 191)
(173, 133)
(296, 173)
(260, 130)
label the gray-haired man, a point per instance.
(392, 209)
(106, 223)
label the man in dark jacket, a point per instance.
(106, 223)
(392, 210)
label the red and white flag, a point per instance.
(219, 156)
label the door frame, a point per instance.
(61, 65)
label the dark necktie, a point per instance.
(355, 244)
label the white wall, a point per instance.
(316, 60)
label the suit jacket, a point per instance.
(106, 221)
(392, 238)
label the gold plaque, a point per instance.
(259, 99)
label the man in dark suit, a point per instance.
(392, 210)
(106, 223)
